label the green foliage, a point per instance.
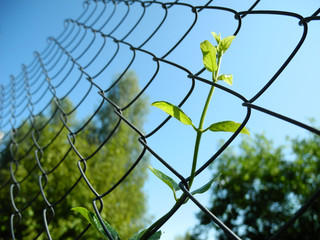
(212, 56)
(227, 126)
(260, 189)
(224, 44)
(227, 78)
(95, 223)
(155, 236)
(204, 188)
(187, 236)
(209, 56)
(173, 111)
(167, 180)
(103, 169)
(216, 37)
(92, 218)
(211, 59)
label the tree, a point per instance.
(121, 151)
(261, 187)
(187, 236)
(106, 162)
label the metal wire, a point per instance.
(39, 82)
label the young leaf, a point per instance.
(216, 37)
(209, 56)
(227, 126)
(155, 236)
(167, 180)
(228, 78)
(205, 187)
(173, 111)
(225, 43)
(94, 221)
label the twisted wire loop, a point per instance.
(72, 60)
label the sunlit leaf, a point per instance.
(216, 37)
(167, 180)
(173, 111)
(228, 78)
(204, 188)
(225, 43)
(227, 126)
(209, 56)
(94, 221)
(155, 236)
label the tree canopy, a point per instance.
(260, 188)
(42, 141)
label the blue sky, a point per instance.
(24, 28)
(262, 45)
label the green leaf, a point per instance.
(209, 56)
(205, 187)
(216, 37)
(173, 111)
(227, 126)
(225, 44)
(155, 236)
(94, 221)
(228, 78)
(167, 180)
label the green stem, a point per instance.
(200, 130)
(215, 79)
(164, 218)
(181, 200)
(195, 157)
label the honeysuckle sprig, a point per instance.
(212, 56)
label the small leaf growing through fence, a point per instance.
(216, 37)
(173, 111)
(167, 180)
(209, 56)
(94, 221)
(205, 187)
(155, 236)
(225, 44)
(228, 78)
(227, 126)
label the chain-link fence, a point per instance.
(77, 65)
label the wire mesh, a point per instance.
(103, 30)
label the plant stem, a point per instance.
(156, 225)
(198, 138)
(215, 77)
(195, 157)
(200, 130)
